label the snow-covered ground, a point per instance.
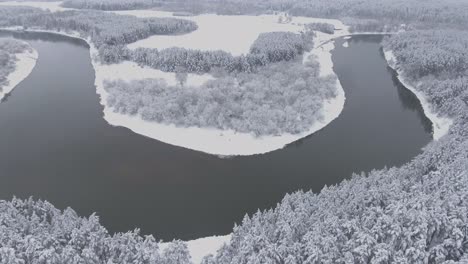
(51, 6)
(440, 124)
(245, 30)
(234, 34)
(128, 71)
(229, 142)
(201, 247)
(24, 65)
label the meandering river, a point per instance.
(55, 145)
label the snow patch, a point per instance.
(234, 34)
(345, 44)
(128, 71)
(440, 124)
(24, 65)
(202, 247)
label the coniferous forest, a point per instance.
(414, 213)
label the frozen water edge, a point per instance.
(440, 124)
(24, 65)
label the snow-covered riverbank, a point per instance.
(210, 140)
(51, 6)
(24, 65)
(223, 142)
(229, 142)
(440, 124)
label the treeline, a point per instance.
(278, 46)
(449, 12)
(8, 50)
(285, 97)
(268, 48)
(110, 4)
(111, 33)
(437, 62)
(36, 232)
(439, 53)
(414, 214)
(374, 25)
(322, 27)
(104, 29)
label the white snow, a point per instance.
(210, 140)
(128, 71)
(234, 34)
(215, 141)
(440, 124)
(24, 65)
(345, 44)
(51, 6)
(201, 247)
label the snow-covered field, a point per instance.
(230, 33)
(132, 71)
(440, 124)
(24, 65)
(234, 34)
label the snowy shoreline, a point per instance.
(440, 124)
(210, 140)
(23, 67)
(199, 247)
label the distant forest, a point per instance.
(449, 12)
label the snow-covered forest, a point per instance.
(8, 50)
(290, 96)
(449, 12)
(107, 31)
(268, 48)
(36, 232)
(416, 213)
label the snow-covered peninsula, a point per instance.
(24, 64)
(440, 124)
(211, 140)
(229, 142)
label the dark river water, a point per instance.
(55, 145)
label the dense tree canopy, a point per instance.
(414, 214)
(440, 53)
(279, 98)
(36, 232)
(268, 48)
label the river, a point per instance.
(55, 145)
